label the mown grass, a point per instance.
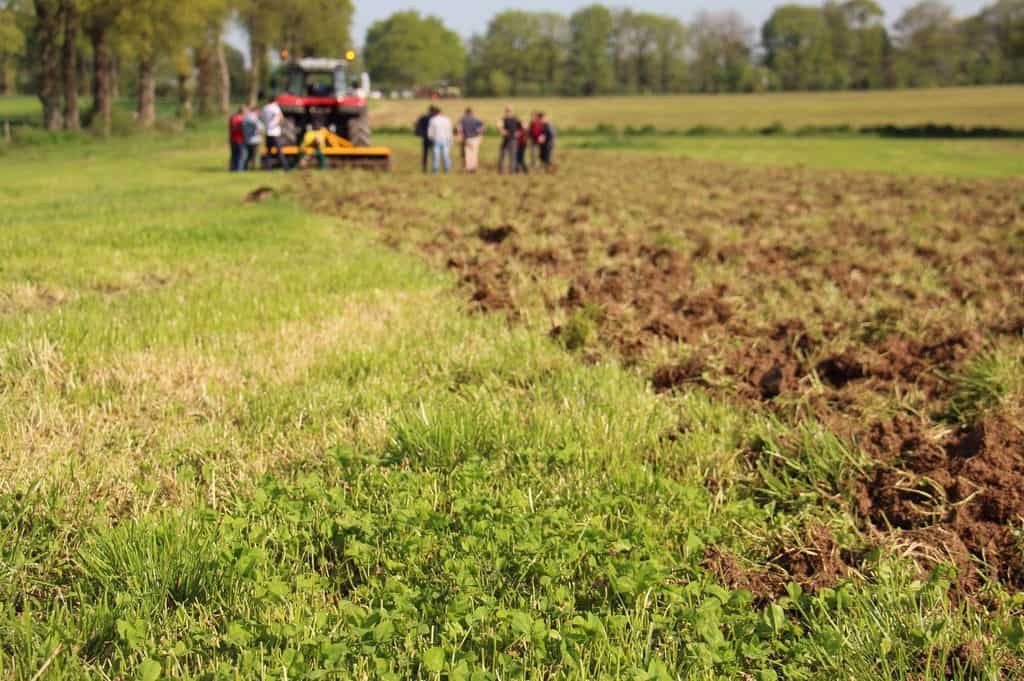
(249, 441)
(19, 107)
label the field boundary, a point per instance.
(924, 131)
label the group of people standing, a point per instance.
(246, 129)
(438, 134)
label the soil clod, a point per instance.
(259, 194)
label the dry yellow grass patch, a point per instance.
(110, 428)
(24, 297)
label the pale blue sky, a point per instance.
(471, 17)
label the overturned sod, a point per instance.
(887, 310)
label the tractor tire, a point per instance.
(359, 130)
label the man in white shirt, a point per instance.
(440, 134)
(273, 118)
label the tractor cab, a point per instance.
(320, 78)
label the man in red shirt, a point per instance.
(236, 138)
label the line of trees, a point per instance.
(841, 44)
(63, 49)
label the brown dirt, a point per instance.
(496, 235)
(671, 376)
(728, 571)
(962, 492)
(259, 194)
(815, 563)
(839, 296)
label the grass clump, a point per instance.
(579, 328)
(991, 381)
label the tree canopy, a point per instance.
(408, 49)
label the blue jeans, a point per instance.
(237, 156)
(442, 154)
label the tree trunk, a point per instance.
(207, 87)
(184, 96)
(115, 76)
(103, 66)
(147, 93)
(258, 55)
(224, 81)
(47, 39)
(72, 120)
(84, 74)
(7, 76)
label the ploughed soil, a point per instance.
(853, 299)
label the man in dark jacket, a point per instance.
(546, 140)
(536, 130)
(422, 131)
(509, 127)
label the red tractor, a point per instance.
(326, 106)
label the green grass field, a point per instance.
(20, 107)
(962, 158)
(273, 440)
(990, 106)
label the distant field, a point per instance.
(989, 106)
(983, 106)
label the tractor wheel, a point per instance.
(359, 130)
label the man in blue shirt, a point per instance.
(471, 133)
